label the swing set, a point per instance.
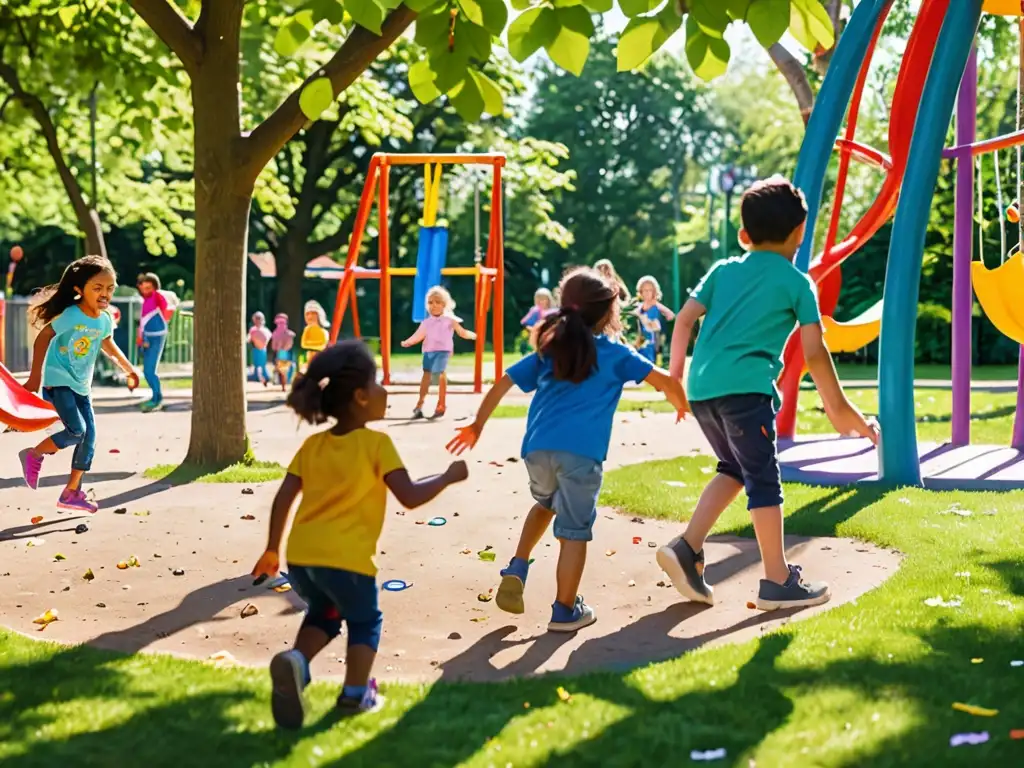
(488, 274)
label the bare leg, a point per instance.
(571, 559)
(310, 641)
(424, 389)
(45, 448)
(442, 393)
(768, 529)
(716, 496)
(359, 664)
(75, 479)
(536, 523)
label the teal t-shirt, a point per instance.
(753, 303)
(71, 356)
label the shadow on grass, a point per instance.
(824, 515)
(247, 471)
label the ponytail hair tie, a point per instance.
(324, 382)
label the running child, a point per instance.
(607, 270)
(543, 305)
(152, 336)
(437, 333)
(344, 474)
(281, 342)
(77, 324)
(650, 312)
(578, 373)
(259, 337)
(750, 305)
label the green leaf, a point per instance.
(331, 10)
(473, 11)
(598, 6)
(571, 45)
(633, 8)
(495, 15)
(643, 36)
(67, 14)
(768, 20)
(494, 104)
(534, 29)
(475, 39)
(708, 56)
(290, 38)
(366, 13)
(316, 98)
(432, 30)
(710, 15)
(449, 67)
(421, 81)
(567, 3)
(810, 24)
(737, 9)
(419, 6)
(467, 100)
(521, 5)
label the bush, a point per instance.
(933, 339)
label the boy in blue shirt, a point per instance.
(750, 305)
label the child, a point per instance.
(259, 337)
(78, 324)
(543, 303)
(152, 334)
(437, 333)
(750, 305)
(650, 312)
(578, 373)
(607, 270)
(343, 474)
(314, 337)
(281, 342)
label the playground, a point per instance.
(135, 626)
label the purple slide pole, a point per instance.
(963, 252)
(1018, 421)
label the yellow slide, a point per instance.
(1002, 7)
(853, 334)
(1000, 292)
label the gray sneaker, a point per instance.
(289, 676)
(686, 569)
(795, 593)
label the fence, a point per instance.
(19, 334)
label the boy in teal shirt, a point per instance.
(750, 305)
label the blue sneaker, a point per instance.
(513, 582)
(289, 675)
(795, 593)
(565, 619)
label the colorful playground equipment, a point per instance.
(939, 62)
(21, 410)
(489, 275)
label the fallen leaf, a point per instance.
(751, 606)
(247, 491)
(121, 511)
(479, 618)
(88, 575)
(36, 520)
(564, 695)
(248, 517)
(486, 556)
(58, 557)
(483, 597)
(971, 709)
(133, 562)
(141, 513)
(34, 543)
(282, 588)
(249, 610)
(46, 619)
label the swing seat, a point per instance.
(1000, 292)
(21, 410)
(853, 334)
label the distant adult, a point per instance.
(157, 309)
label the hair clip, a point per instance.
(324, 382)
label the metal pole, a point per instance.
(476, 220)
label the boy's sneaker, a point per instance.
(31, 465)
(795, 593)
(289, 676)
(565, 619)
(370, 701)
(150, 407)
(75, 501)
(417, 413)
(513, 582)
(686, 569)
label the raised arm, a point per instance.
(687, 318)
(844, 415)
(39, 347)
(462, 332)
(467, 437)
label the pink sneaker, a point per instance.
(75, 501)
(30, 467)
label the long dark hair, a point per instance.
(588, 307)
(330, 382)
(70, 288)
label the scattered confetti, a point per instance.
(36, 520)
(904, 500)
(609, 553)
(247, 491)
(938, 602)
(436, 521)
(963, 574)
(971, 709)
(631, 583)
(977, 661)
(249, 610)
(121, 511)
(968, 738)
(81, 528)
(115, 450)
(637, 539)
(486, 556)
(1017, 663)
(35, 543)
(88, 575)
(122, 566)
(141, 513)
(564, 695)
(495, 464)
(466, 551)
(1017, 734)
(395, 585)
(282, 588)
(58, 557)
(223, 658)
(752, 606)
(178, 572)
(652, 544)
(478, 619)
(675, 484)
(485, 597)
(46, 619)
(708, 754)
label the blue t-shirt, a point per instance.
(577, 418)
(653, 315)
(71, 356)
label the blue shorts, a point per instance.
(741, 430)
(568, 484)
(435, 363)
(332, 596)
(648, 351)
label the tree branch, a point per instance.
(334, 242)
(358, 51)
(173, 29)
(793, 71)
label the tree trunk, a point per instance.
(291, 260)
(793, 71)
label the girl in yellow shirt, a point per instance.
(343, 474)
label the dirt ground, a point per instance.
(436, 629)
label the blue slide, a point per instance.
(430, 260)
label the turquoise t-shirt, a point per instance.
(76, 344)
(753, 303)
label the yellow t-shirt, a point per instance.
(314, 337)
(341, 513)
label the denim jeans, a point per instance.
(75, 412)
(153, 348)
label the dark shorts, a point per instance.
(333, 596)
(741, 430)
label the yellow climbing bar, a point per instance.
(853, 334)
(431, 194)
(1000, 292)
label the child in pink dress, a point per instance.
(437, 334)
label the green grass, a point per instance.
(869, 683)
(859, 372)
(252, 471)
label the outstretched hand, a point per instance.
(132, 380)
(465, 438)
(268, 565)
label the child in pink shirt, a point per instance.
(437, 333)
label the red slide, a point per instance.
(20, 409)
(902, 116)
